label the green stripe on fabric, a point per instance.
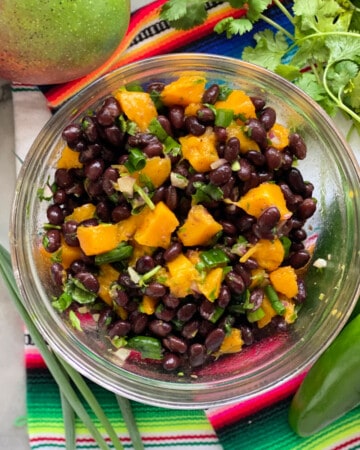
(45, 415)
(269, 429)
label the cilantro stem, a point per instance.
(338, 100)
(277, 26)
(284, 10)
(327, 33)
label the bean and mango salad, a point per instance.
(177, 221)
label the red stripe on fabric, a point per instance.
(34, 360)
(347, 443)
(222, 417)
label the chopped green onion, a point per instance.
(254, 316)
(120, 253)
(215, 316)
(224, 117)
(274, 300)
(136, 160)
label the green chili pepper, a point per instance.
(215, 257)
(332, 386)
(136, 160)
(148, 346)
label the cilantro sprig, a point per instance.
(319, 51)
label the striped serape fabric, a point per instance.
(260, 423)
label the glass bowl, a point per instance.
(332, 291)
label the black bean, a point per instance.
(173, 251)
(160, 328)
(256, 158)
(211, 94)
(171, 362)
(108, 112)
(251, 264)
(90, 129)
(306, 209)
(309, 189)
(58, 273)
(269, 218)
(165, 314)
(220, 134)
(298, 235)
(256, 298)
(256, 131)
(72, 134)
(78, 266)
(206, 309)
(171, 197)
(258, 102)
(197, 355)
(138, 321)
(190, 329)
(228, 189)
(52, 240)
(244, 173)
(69, 230)
(297, 145)
(175, 344)
(241, 270)
(235, 282)
(171, 301)
(246, 335)
(120, 212)
(193, 126)
(119, 328)
(106, 317)
(214, 340)
(186, 312)
(60, 197)
(165, 123)
(103, 211)
(296, 181)
(55, 215)
(220, 175)
(205, 115)
(299, 259)
(273, 158)
(144, 264)
(153, 148)
(224, 296)
(176, 116)
(229, 228)
(63, 178)
(120, 297)
(89, 222)
(113, 135)
(232, 149)
(159, 194)
(89, 281)
(155, 289)
(267, 117)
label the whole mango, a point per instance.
(54, 41)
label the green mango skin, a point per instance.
(54, 41)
